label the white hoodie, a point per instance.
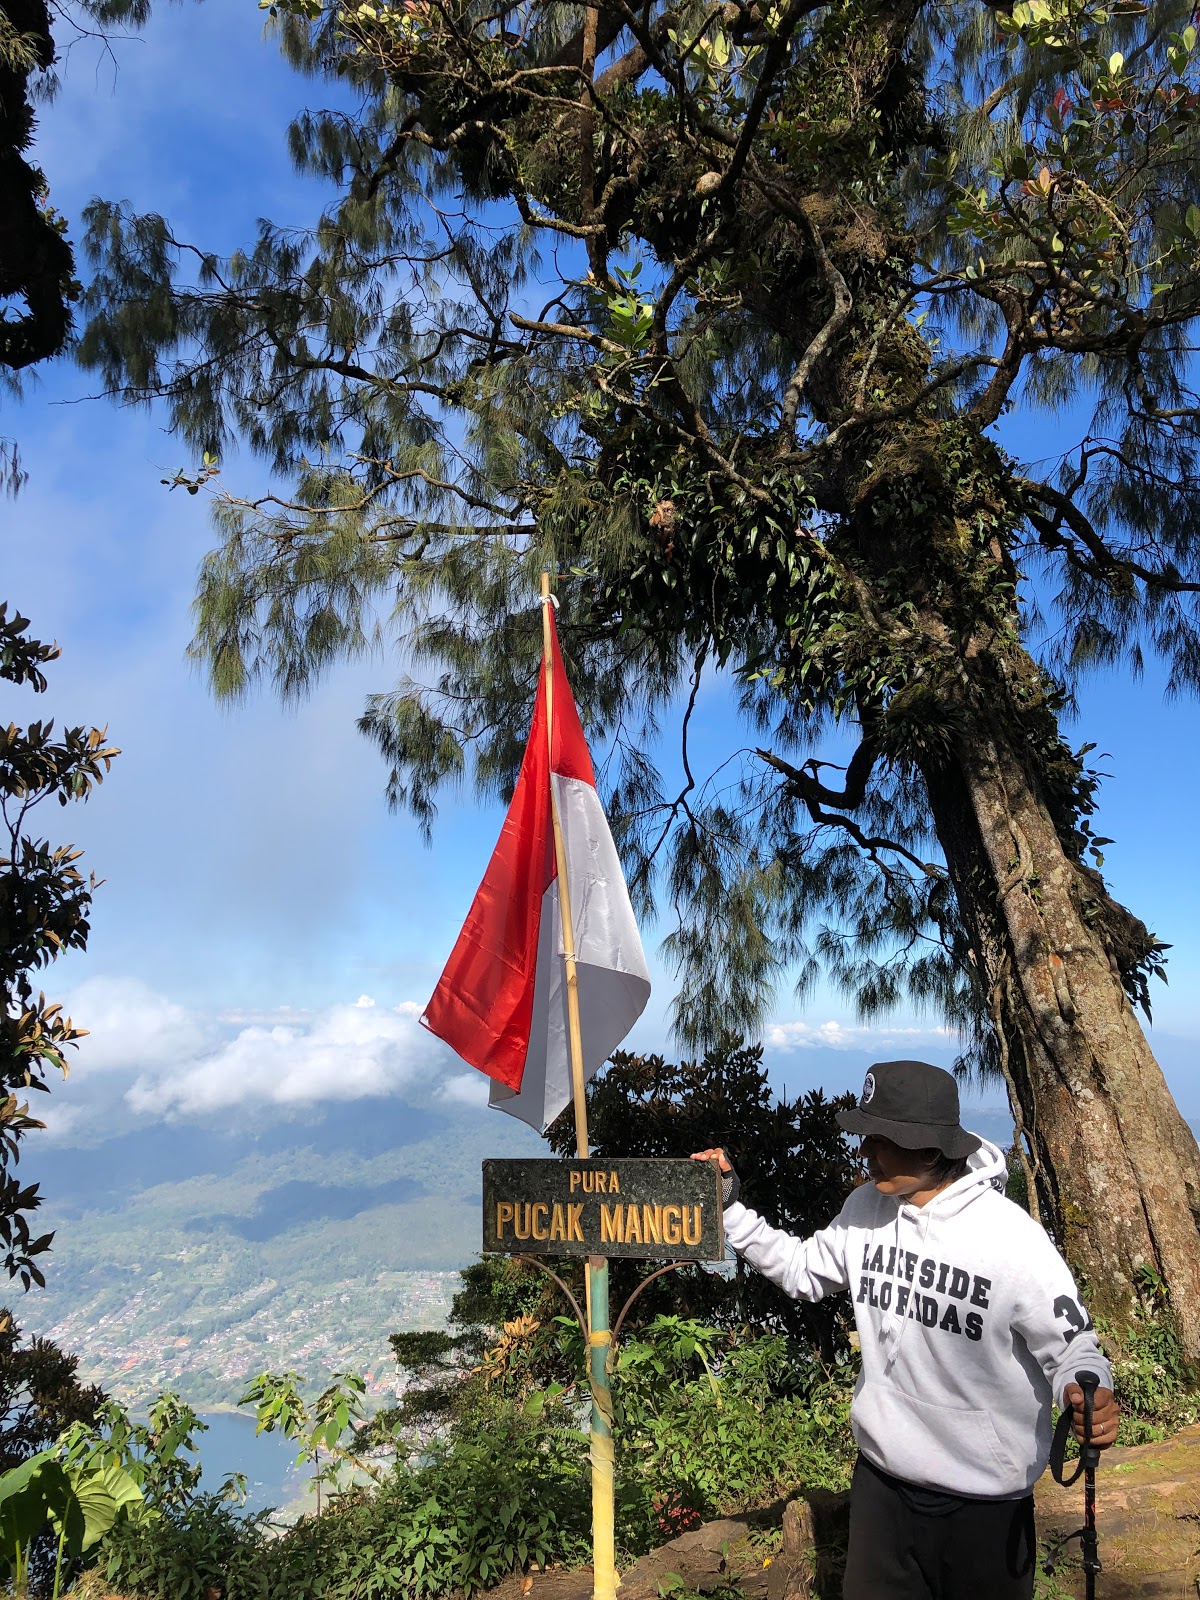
(969, 1320)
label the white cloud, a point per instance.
(60, 1120)
(467, 1089)
(170, 1060)
(243, 1016)
(346, 1052)
(835, 1035)
(131, 1027)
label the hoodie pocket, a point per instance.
(936, 1444)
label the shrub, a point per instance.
(705, 1423)
(752, 1419)
(456, 1523)
(189, 1552)
(707, 1420)
(1153, 1383)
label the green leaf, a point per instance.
(98, 1500)
(24, 1503)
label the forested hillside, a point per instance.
(190, 1258)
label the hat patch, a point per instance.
(868, 1092)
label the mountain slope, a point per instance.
(192, 1258)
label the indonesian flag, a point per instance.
(501, 1002)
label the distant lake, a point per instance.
(267, 1459)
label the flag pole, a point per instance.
(564, 898)
(604, 1577)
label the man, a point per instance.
(970, 1326)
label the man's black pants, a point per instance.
(960, 1550)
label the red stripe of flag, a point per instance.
(483, 1002)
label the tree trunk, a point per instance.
(1116, 1168)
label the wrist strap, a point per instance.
(1058, 1449)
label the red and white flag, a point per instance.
(501, 1002)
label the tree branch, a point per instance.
(991, 402)
(680, 801)
(806, 783)
(809, 789)
(842, 304)
(1105, 564)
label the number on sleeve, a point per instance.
(1077, 1318)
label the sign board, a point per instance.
(648, 1209)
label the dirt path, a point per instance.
(1148, 1518)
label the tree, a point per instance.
(716, 308)
(44, 899)
(40, 1398)
(794, 1163)
(44, 907)
(40, 1394)
(37, 262)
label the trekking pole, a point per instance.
(1090, 1455)
(1089, 1458)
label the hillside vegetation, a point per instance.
(191, 1260)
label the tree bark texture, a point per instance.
(1116, 1168)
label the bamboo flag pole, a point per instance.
(564, 898)
(604, 1577)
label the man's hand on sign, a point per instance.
(713, 1155)
(1106, 1414)
(730, 1186)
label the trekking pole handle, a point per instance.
(1089, 1383)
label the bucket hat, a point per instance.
(915, 1105)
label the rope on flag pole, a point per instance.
(599, 1337)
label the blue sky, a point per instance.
(256, 886)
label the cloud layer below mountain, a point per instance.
(166, 1061)
(835, 1035)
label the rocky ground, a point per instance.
(1148, 1519)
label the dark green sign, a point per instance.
(652, 1210)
